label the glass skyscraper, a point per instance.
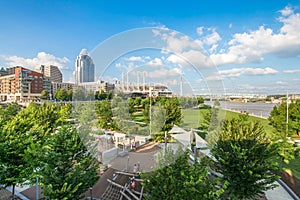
(84, 68)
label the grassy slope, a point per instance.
(191, 120)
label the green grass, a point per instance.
(264, 122)
(294, 166)
(191, 119)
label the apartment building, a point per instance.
(21, 84)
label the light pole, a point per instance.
(150, 112)
(37, 188)
(37, 183)
(91, 193)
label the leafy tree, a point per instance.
(200, 100)
(121, 113)
(90, 95)
(176, 178)
(70, 95)
(246, 158)
(61, 94)
(68, 169)
(29, 128)
(278, 119)
(158, 119)
(131, 104)
(78, 95)
(146, 106)
(101, 95)
(12, 147)
(204, 125)
(110, 94)
(173, 113)
(104, 113)
(6, 114)
(216, 103)
(45, 95)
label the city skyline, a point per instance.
(255, 46)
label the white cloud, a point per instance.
(214, 78)
(155, 62)
(212, 38)
(42, 58)
(252, 46)
(230, 25)
(291, 71)
(200, 30)
(164, 73)
(286, 11)
(235, 72)
(135, 58)
(281, 83)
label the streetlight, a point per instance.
(91, 193)
(37, 183)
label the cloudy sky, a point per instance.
(249, 47)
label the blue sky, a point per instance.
(254, 44)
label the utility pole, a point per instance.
(287, 113)
(150, 111)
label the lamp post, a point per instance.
(37, 188)
(91, 193)
(36, 183)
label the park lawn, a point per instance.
(264, 122)
(294, 166)
(191, 118)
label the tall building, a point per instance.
(84, 68)
(52, 72)
(56, 86)
(21, 84)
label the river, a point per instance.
(256, 109)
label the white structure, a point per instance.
(84, 68)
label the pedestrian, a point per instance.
(132, 184)
(134, 145)
(135, 169)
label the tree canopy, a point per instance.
(247, 159)
(176, 178)
(68, 168)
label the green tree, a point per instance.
(90, 95)
(78, 95)
(31, 127)
(173, 113)
(217, 103)
(285, 131)
(68, 170)
(104, 113)
(200, 100)
(6, 114)
(70, 95)
(246, 158)
(131, 104)
(61, 94)
(101, 95)
(175, 178)
(121, 113)
(45, 95)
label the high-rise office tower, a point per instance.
(84, 68)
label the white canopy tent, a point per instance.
(177, 129)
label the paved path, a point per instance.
(278, 193)
(147, 161)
